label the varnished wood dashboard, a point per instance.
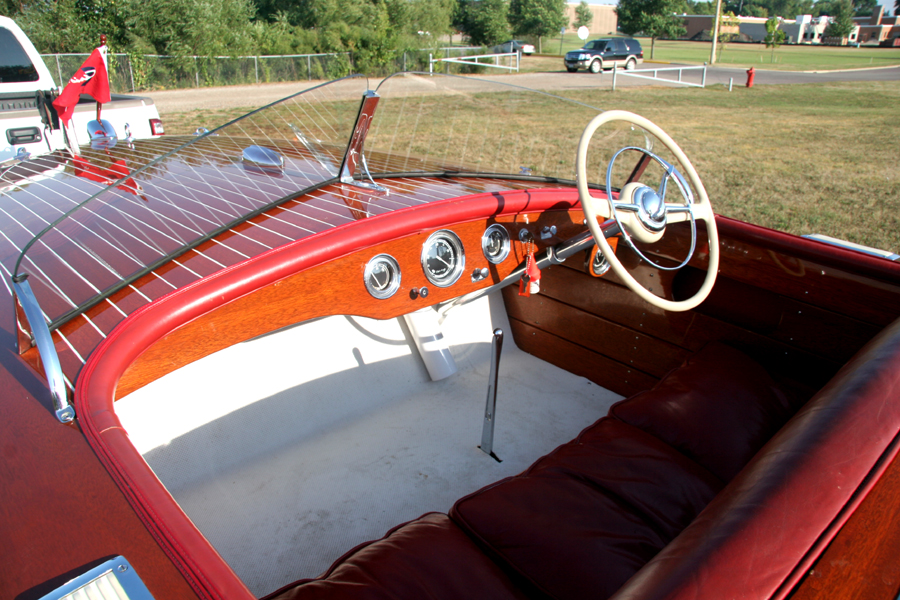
(337, 287)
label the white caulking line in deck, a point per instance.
(9, 275)
(72, 346)
(108, 241)
(40, 271)
(102, 201)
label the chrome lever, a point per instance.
(490, 409)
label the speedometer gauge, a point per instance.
(382, 276)
(443, 258)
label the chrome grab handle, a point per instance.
(490, 409)
(43, 339)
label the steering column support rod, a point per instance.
(490, 409)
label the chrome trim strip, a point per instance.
(114, 579)
(825, 239)
(43, 339)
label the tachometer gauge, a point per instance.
(382, 276)
(443, 258)
(495, 243)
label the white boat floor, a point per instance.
(289, 450)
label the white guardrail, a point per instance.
(642, 74)
(473, 60)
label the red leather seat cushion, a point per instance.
(719, 408)
(429, 558)
(585, 518)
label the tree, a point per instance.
(185, 27)
(864, 8)
(584, 16)
(774, 35)
(537, 17)
(654, 18)
(73, 25)
(842, 20)
(485, 21)
(729, 29)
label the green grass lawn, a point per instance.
(786, 58)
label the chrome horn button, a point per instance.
(651, 208)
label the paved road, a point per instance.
(171, 101)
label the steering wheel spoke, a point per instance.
(679, 213)
(643, 213)
(599, 206)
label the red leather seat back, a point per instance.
(764, 530)
(718, 409)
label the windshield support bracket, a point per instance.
(354, 163)
(43, 339)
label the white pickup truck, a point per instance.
(29, 123)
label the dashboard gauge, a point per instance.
(382, 276)
(443, 258)
(495, 243)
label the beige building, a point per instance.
(604, 22)
(878, 28)
(805, 29)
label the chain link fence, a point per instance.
(130, 73)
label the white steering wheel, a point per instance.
(643, 213)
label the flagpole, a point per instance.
(105, 65)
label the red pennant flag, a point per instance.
(91, 79)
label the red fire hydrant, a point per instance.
(751, 73)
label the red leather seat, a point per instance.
(588, 516)
(429, 558)
(585, 518)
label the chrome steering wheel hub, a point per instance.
(651, 209)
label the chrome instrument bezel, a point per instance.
(599, 264)
(393, 266)
(456, 269)
(504, 251)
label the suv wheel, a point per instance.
(596, 66)
(629, 66)
(571, 69)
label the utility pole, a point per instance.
(715, 32)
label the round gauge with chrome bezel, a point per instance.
(382, 276)
(495, 243)
(443, 258)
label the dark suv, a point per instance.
(597, 55)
